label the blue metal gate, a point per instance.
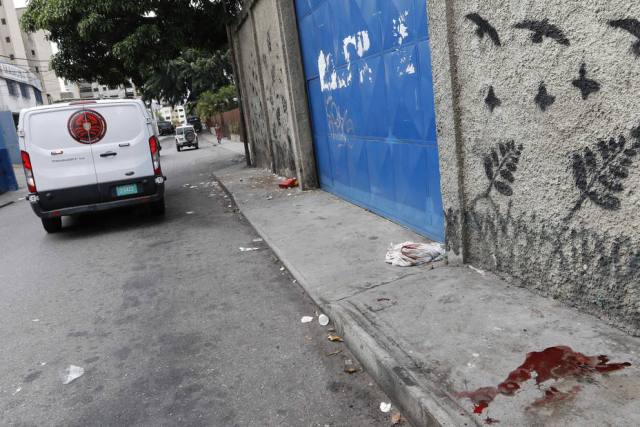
(368, 70)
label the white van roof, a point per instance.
(80, 102)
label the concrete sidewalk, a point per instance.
(442, 341)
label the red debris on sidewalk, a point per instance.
(288, 183)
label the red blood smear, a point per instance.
(551, 363)
(552, 395)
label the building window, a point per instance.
(38, 94)
(4, 21)
(12, 57)
(7, 39)
(37, 70)
(24, 90)
(33, 52)
(13, 87)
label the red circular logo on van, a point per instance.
(87, 126)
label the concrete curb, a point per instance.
(389, 370)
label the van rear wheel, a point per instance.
(158, 207)
(52, 225)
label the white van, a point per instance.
(87, 156)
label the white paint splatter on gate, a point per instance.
(400, 28)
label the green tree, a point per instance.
(210, 103)
(185, 78)
(112, 41)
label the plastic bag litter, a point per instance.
(249, 249)
(306, 319)
(385, 407)
(71, 373)
(409, 254)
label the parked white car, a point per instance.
(87, 156)
(186, 136)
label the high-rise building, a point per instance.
(25, 79)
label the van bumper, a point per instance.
(96, 207)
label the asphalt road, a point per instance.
(171, 322)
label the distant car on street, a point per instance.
(165, 128)
(186, 136)
(88, 156)
(196, 123)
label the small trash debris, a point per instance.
(294, 281)
(383, 299)
(229, 206)
(335, 338)
(22, 198)
(17, 391)
(477, 270)
(396, 419)
(349, 367)
(257, 240)
(385, 407)
(248, 249)
(409, 254)
(323, 319)
(72, 373)
(35, 320)
(193, 186)
(189, 212)
(43, 363)
(306, 319)
(186, 185)
(334, 353)
(288, 183)
(281, 268)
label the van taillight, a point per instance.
(28, 171)
(154, 146)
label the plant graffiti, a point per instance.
(500, 165)
(585, 268)
(599, 177)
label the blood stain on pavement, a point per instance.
(552, 363)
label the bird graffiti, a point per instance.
(542, 29)
(632, 26)
(586, 86)
(484, 28)
(543, 99)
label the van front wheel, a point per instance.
(52, 225)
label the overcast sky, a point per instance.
(20, 3)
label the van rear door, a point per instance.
(123, 152)
(59, 161)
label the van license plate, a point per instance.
(126, 190)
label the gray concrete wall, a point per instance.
(540, 179)
(273, 86)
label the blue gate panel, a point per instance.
(368, 70)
